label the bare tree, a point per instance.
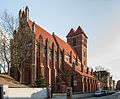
(100, 68)
(9, 23)
(21, 49)
(16, 48)
(4, 50)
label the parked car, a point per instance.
(98, 93)
(103, 92)
(106, 92)
(111, 92)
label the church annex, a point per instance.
(60, 63)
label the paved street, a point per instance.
(113, 96)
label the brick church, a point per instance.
(60, 63)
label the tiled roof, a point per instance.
(45, 35)
(78, 31)
(78, 70)
(61, 43)
(64, 45)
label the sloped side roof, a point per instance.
(64, 45)
(78, 70)
(45, 35)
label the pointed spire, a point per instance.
(80, 31)
(20, 14)
(27, 13)
(53, 33)
(23, 14)
(72, 31)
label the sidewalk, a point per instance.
(74, 96)
(59, 97)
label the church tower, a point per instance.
(78, 40)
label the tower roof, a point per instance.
(78, 31)
(72, 31)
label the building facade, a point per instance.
(118, 85)
(60, 63)
(105, 81)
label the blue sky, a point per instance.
(100, 19)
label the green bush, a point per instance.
(41, 82)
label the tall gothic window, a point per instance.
(74, 41)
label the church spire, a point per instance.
(72, 31)
(80, 31)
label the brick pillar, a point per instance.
(48, 63)
(33, 71)
(92, 85)
(54, 69)
(34, 54)
(58, 57)
(63, 59)
(82, 84)
(95, 85)
(86, 84)
(89, 85)
(42, 68)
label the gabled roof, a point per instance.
(64, 45)
(80, 31)
(72, 31)
(77, 32)
(45, 35)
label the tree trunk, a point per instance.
(20, 77)
(8, 69)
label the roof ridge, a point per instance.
(44, 33)
(80, 31)
(71, 32)
(67, 44)
(41, 27)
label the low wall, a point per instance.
(24, 93)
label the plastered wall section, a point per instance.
(24, 93)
